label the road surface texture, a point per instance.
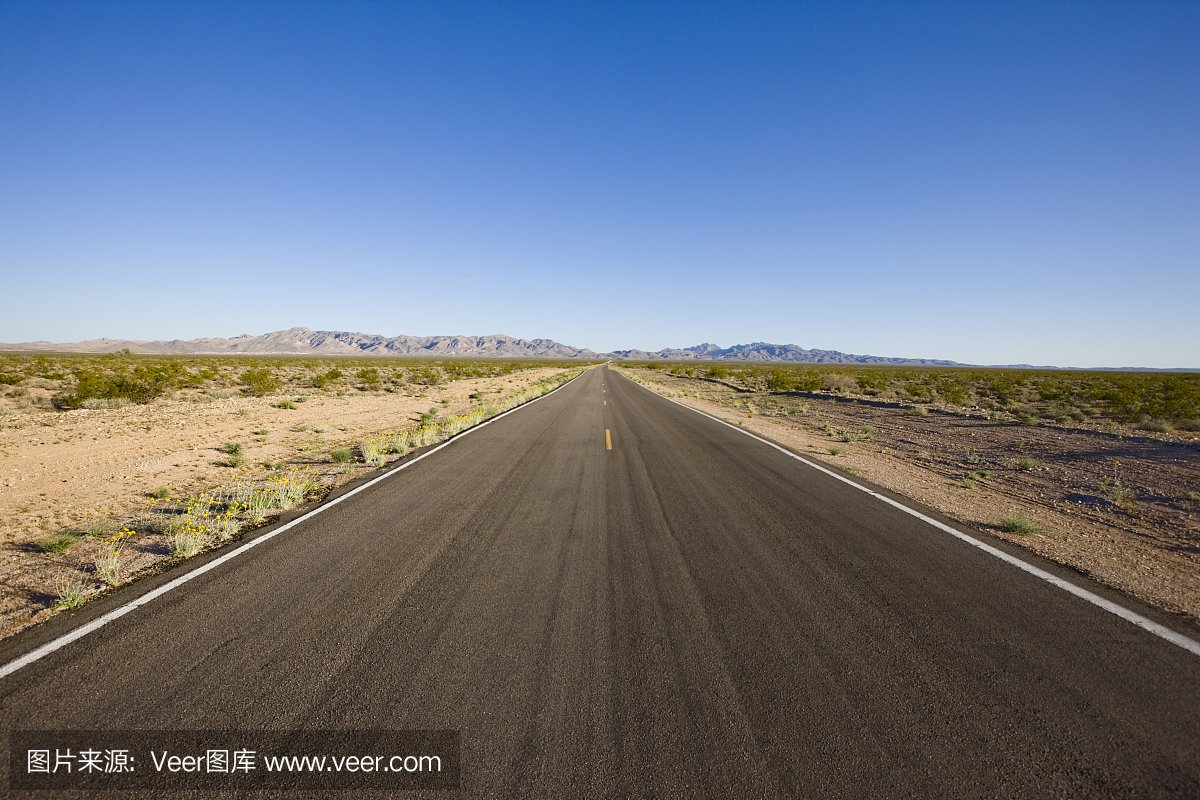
(609, 595)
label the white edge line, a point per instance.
(104, 619)
(1163, 632)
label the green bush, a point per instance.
(323, 379)
(236, 453)
(142, 384)
(260, 381)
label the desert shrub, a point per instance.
(225, 525)
(236, 453)
(204, 375)
(953, 391)
(424, 436)
(167, 522)
(186, 544)
(260, 381)
(286, 490)
(116, 381)
(323, 379)
(372, 451)
(919, 392)
(70, 591)
(399, 443)
(109, 566)
(785, 380)
(426, 375)
(840, 383)
(779, 380)
(257, 504)
(872, 381)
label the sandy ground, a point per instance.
(60, 470)
(1123, 509)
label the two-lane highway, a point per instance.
(611, 596)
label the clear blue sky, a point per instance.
(988, 182)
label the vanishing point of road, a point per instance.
(609, 595)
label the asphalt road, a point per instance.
(687, 614)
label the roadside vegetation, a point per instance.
(66, 382)
(1158, 402)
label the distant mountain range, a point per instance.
(304, 341)
(764, 351)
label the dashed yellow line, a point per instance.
(607, 440)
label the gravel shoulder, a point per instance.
(1122, 509)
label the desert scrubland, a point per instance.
(116, 466)
(1098, 471)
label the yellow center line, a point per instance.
(607, 440)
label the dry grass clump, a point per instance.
(102, 527)
(57, 543)
(1019, 524)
